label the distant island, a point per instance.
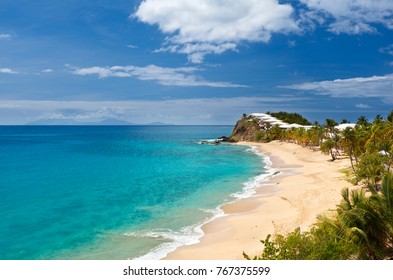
(114, 122)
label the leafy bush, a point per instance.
(290, 117)
(317, 244)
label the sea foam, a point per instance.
(192, 234)
(174, 239)
(256, 182)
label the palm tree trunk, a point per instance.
(351, 158)
(332, 155)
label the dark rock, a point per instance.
(245, 130)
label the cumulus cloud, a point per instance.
(353, 16)
(199, 28)
(202, 27)
(375, 86)
(181, 76)
(7, 71)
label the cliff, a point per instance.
(246, 129)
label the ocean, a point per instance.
(115, 192)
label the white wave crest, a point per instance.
(253, 184)
(192, 234)
(186, 236)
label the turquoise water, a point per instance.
(114, 192)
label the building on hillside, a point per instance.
(266, 121)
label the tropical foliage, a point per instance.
(369, 146)
(290, 117)
(362, 224)
(361, 228)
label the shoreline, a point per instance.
(308, 185)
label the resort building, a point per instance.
(267, 121)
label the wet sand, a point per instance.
(308, 184)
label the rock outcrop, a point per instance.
(246, 129)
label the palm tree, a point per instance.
(348, 142)
(382, 140)
(378, 119)
(387, 203)
(383, 202)
(358, 220)
(315, 135)
(371, 169)
(327, 147)
(376, 130)
(388, 129)
(330, 126)
(390, 116)
(362, 121)
(332, 133)
(362, 134)
(275, 133)
(301, 136)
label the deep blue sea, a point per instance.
(114, 192)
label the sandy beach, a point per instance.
(308, 184)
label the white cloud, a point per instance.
(47, 70)
(292, 43)
(375, 86)
(7, 71)
(362, 106)
(388, 50)
(181, 76)
(199, 28)
(197, 51)
(5, 36)
(354, 16)
(202, 27)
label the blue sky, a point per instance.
(194, 62)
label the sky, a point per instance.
(194, 62)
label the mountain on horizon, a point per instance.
(73, 122)
(158, 123)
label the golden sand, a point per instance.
(309, 184)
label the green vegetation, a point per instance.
(316, 244)
(246, 129)
(290, 117)
(361, 227)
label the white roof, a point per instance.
(343, 126)
(259, 115)
(295, 125)
(268, 119)
(277, 122)
(274, 121)
(286, 126)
